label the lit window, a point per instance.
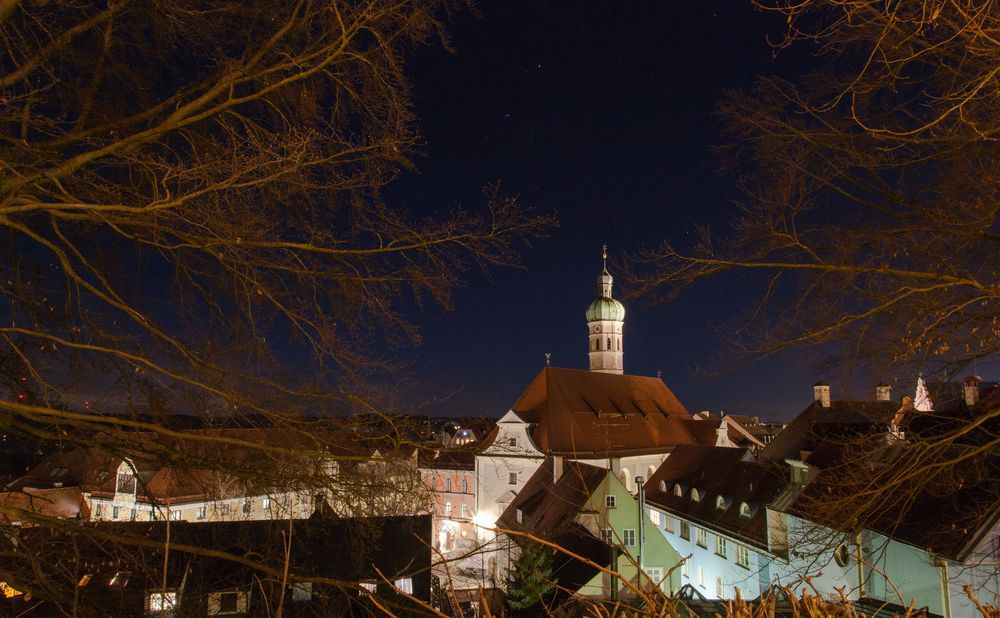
(663, 487)
(302, 592)
(200, 513)
(720, 546)
(229, 602)
(695, 494)
(701, 537)
(610, 502)
(678, 490)
(265, 503)
(520, 516)
(654, 516)
(175, 515)
(512, 478)
(720, 503)
(447, 509)
(628, 537)
(655, 575)
(404, 585)
(157, 602)
(369, 586)
(465, 510)
(743, 556)
(745, 510)
(119, 579)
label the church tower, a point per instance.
(605, 319)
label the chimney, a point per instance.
(883, 392)
(821, 393)
(557, 468)
(970, 387)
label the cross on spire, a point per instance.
(604, 256)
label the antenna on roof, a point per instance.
(548, 358)
(659, 374)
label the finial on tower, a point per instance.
(604, 257)
(548, 358)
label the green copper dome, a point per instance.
(605, 309)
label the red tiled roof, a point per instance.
(583, 412)
(63, 502)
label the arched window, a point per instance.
(677, 490)
(663, 487)
(465, 486)
(745, 510)
(720, 503)
(597, 344)
(695, 494)
(447, 484)
(447, 509)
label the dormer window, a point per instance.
(125, 483)
(663, 487)
(720, 503)
(678, 490)
(746, 510)
(696, 494)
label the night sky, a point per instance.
(603, 115)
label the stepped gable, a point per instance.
(588, 413)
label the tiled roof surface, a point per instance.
(714, 472)
(583, 412)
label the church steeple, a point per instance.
(605, 320)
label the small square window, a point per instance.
(159, 602)
(302, 592)
(610, 501)
(404, 585)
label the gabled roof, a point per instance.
(713, 471)
(549, 510)
(546, 504)
(579, 413)
(816, 423)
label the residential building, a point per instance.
(334, 567)
(590, 512)
(450, 475)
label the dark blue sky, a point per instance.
(602, 114)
